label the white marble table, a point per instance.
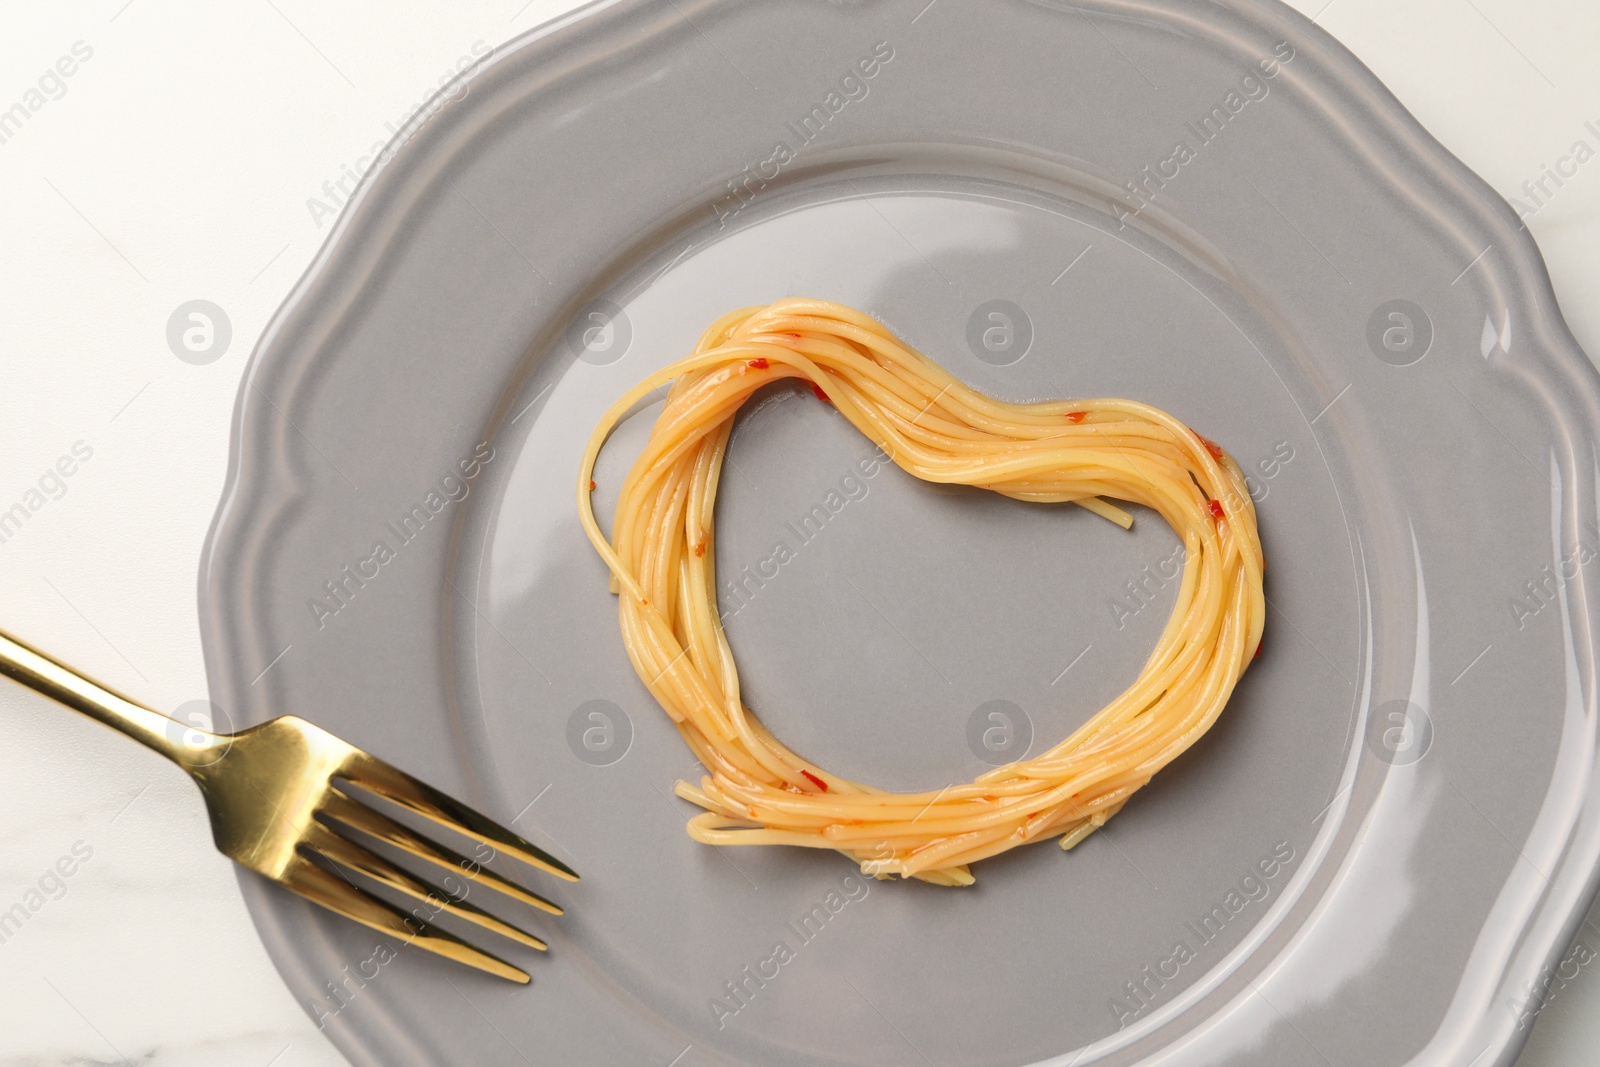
(197, 150)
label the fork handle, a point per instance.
(43, 674)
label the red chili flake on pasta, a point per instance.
(1215, 507)
(1211, 446)
(591, 485)
(1258, 651)
(700, 549)
(815, 388)
(1076, 416)
(814, 780)
(760, 363)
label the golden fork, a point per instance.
(278, 804)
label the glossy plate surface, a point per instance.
(1211, 207)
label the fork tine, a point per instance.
(372, 773)
(352, 813)
(323, 887)
(347, 853)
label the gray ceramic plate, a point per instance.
(1211, 207)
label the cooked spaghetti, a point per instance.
(662, 558)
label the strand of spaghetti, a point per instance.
(661, 556)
